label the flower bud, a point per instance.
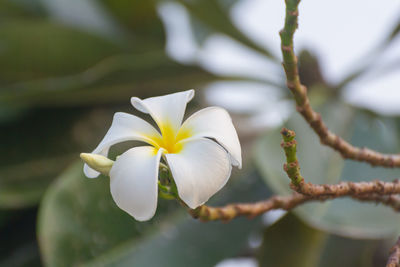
(97, 162)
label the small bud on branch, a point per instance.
(292, 169)
(291, 166)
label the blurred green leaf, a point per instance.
(24, 184)
(139, 17)
(78, 220)
(38, 146)
(393, 34)
(20, 8)
(8, 8)
(18, 246)
(201, 244)
(113, 80)
(291, 242)
(320, 164)
(35, 149)
(194, 242)
(80, 224)
(5, 216)
(310, 71)
(37, 48)
(349, 252)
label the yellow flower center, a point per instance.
(170, 139)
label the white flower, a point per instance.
(199, 153)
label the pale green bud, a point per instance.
(98, 162)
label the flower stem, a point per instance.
(166, 184)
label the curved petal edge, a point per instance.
(216, 123)
(200, 170)
(133, 181)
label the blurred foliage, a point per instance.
(79, 220)
(79, 223)
(62, 76)
(310, 247)
(290, 234)
(320, 164)
(29, 164)
(215, 16)
(18, 232)
(139, 17)
(25, 42)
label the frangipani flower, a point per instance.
(200, 153)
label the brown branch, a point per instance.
(394, 258)
(251, 210)
(349, 188)
(376, 191)
(313, 118)
(298, 184)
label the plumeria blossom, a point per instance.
(199, 153)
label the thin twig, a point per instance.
(251, 210)
(394, 258)
(376, 191)
(349, 188)
(298, 184)
(303, 104)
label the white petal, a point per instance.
(124, 127)
(167, 110)
(200, 170)
(133, 183)
(215, 122)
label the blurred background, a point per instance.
(67, 65)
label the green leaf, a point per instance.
(38, 146)
(20, 9)
(18, 240)
(201, 244)
(139, 18)
(34, 48)
(320, 164)
(78, 219)
(80, 224)
(5, 216)
(291, 242)
(114, 80)
(393, 33)
(35, 149)
(24, 184)
(340, 251)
